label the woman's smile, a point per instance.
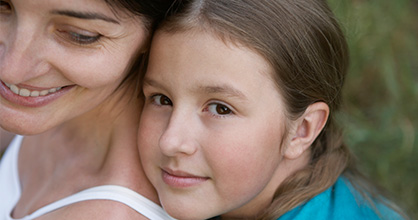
(30, 96)
(31, 92)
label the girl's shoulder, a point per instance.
(342, 201)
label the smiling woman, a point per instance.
(68, 81)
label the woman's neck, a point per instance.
(94, 149)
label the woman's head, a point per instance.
(306, 52)
(61, 59)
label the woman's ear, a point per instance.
(306, 129)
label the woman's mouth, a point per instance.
(30, 96)
(33, 93)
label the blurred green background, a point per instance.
(380, 113)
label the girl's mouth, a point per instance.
(181, 179)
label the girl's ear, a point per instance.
(307, 128)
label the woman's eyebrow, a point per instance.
(85, 15)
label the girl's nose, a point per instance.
(179, 137)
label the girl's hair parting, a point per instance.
(151, 13)
(308, 53)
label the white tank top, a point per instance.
(10, 192)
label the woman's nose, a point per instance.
(21, 51)
(179, 137)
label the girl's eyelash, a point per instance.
(160, 100)
(214, 109)
(222, 110)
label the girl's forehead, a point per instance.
(214, 65)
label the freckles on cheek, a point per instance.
(147, 149)
(240, 165)
(148, 132)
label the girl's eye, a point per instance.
(78, 38)
(219, 109)
(161, 100)
(5, 7)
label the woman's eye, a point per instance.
(78, 38)
(161, 100)
(83, 39)
(219, 109)
(5, 7)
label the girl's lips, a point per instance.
(31, 98)
(179, 179)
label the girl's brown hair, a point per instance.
(307, 51)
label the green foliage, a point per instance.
(380, 114)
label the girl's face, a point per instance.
(60, 59)
(212, 127)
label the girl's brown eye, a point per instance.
(164, 100)
(222, 110)
(218, 109)
(5, 7)
(161, 100)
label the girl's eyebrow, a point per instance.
(224, 89)
(149, 82)
(85, 15)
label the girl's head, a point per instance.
(61, 59)
(237, 96)
(301, 40)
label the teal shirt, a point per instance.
(340, 201)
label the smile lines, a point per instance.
(26, 92)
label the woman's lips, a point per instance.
(29, 96)
(179, 179)
(26, 92)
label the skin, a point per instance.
(5, 138)
(214, 137)
(38, 51)
(83, 135)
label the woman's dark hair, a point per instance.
(152, 11)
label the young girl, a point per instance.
(239, 115)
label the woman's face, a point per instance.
(212, 127)
(61, 59)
